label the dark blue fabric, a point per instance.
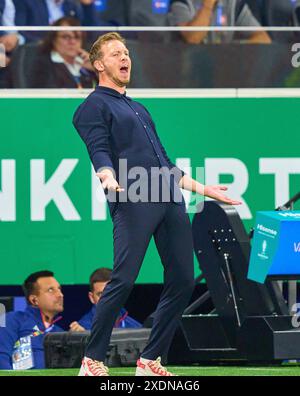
(2, 4)
(35, 12)
(21, 324)
(115, 127)
(99, 120)
(127, 322)
(134, 225)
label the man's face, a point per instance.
(96, 294)
(116, 63)
(48, 296)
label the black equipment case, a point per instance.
(66, 349)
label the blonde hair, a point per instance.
(95, 52)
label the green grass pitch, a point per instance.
(284, 370)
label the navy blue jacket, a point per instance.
(2, 5)
(35, 13)
(123, 322)
(114, 127)
(21, 324)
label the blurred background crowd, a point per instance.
(59, 59)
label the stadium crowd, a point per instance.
(65, 54)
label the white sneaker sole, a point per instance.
(146, 373)
(82, 372)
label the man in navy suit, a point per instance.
(46, 12)
(122, 143)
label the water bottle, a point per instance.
(220, 14)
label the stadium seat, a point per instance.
(277, 12)
(21, 65)
(296, 14)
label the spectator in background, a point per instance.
(47, 12)
(113, 12)
(9, 39)
(149, 13)
(215, 13)
(62, 62)
(98, 280)
(21, 341)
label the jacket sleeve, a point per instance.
(89, 15)
(86, 321)
(22, 18)
(94, 131)
(8, 337)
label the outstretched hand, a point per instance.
(216, 192)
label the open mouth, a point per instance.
(124, 69)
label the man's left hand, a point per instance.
(216, 192)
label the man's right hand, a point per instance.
(108, 181)
(10, 41)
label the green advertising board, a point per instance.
(50, 218)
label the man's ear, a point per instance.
(33, 300)
(91, 297)
(98, 65)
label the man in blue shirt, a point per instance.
(98, 280)
(21, 340)
(144, 198)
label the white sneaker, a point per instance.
(92, 368)
(151, 368)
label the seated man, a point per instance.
(21, 340)
(98, 280)
(215, 13)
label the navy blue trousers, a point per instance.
(134, 226)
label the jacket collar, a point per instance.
(34, 311)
